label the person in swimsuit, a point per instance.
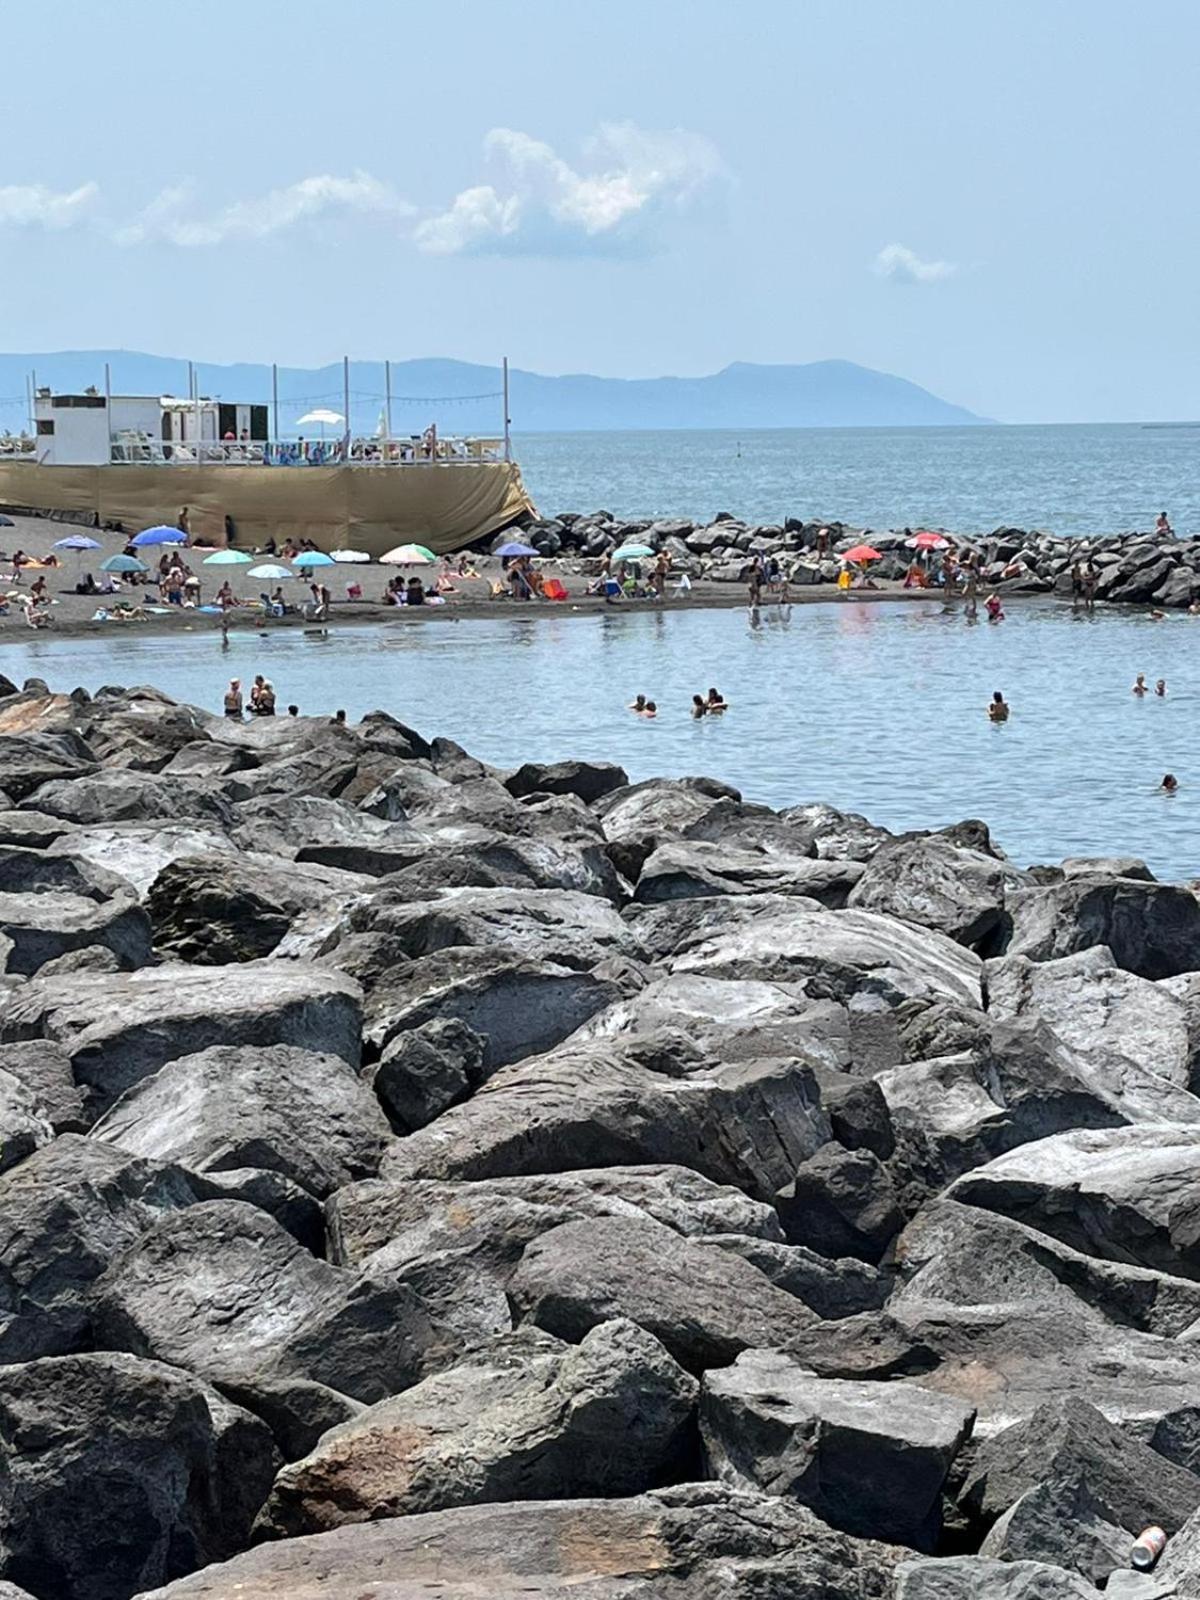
(998, 708)
(699, 708)
(715, 703)
(649, 709)
(1169, 784)
(1140, 686)
(1160, 688)
(233, 699)
(993, 608)
(638, 705)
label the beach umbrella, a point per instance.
(632, 552)
(320, 418)
(77, 541)
(862, 552)
(270, 570)
(927, 541)
(408, 555)
(228, 558)
(159, 535)
(123, 564)
(7, 522)
(513, 548)
(312, 558)
(351, 555)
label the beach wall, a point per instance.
(445, 506)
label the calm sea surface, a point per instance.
(1067, 480)
(876, 708)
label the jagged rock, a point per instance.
(45, 1071)
(977, 1578)
(138, 851)
(1067, 1459)
(844, 953)
(120, 795)
(1152, 929)
(833, 1289)
(590, 1106)
(237, 908)
(841, 1203)
(31, 830)
(118, 1030)
(869, 1465)
(279, 1196)
(1129, 1038)
(929, 881)
(517, 1006)
(574, 930)
(120, 1473)
(40, 928)
(837, 835)
(695, 1542)
(692, 869)
(28, 761)
(967, 1256)
(292, 1111)
(500, 1216)
(65, 1212)
(858, 1111)
(704, 1304)
(589, 780)
(23, 1128)
(225, 1292)
(327, 832)
(30, 871)
(426, 1069)
(525, 1417)
(1124, 1194)
(296, 1410)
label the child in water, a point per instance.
(993, 608)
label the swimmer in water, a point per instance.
(716, 702)
(648, 710)
(993, 608)
(1160, 688)
(699, 709)
(998, 708)
(638, 705)
(1140, 686)
(1169, 784)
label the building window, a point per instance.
(45, 425)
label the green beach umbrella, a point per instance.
(632, 552)
(228, 558)
(123, 564)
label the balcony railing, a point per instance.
(139, 450)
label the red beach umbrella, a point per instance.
(928, 541)
(862, 552)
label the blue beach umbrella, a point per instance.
(633, 552)
(77, 541)
(312, 558)
(123, 564)
(159, 535)
(515, 549)
(228, 558)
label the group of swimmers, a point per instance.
(1141, 687)
(711, 705)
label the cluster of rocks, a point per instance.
(1133, 567)
(420, 1180)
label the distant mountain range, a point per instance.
(463, 397)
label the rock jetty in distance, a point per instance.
(421, 1180)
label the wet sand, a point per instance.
(73, 615)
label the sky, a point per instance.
(990, 198)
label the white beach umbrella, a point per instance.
(319, 418)
(350, 555)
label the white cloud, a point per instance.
(630, 178)
(902, 265)
(174, 216)
(34, 205)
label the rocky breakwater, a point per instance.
(1136, 568)
(421, 1180)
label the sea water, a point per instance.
(1066, 480)
(877, 708)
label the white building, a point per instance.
(91, 429)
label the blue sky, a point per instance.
(995, 198)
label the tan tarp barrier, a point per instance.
(363, 508)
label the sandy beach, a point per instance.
(74, 615)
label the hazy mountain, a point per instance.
(463, 397)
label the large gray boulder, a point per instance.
(23, 1126)
(117, 795)
(31, 760)
(1124, 1194)
(705, 1304)
(964, 1255)
(933, 882)
(38, 928)
(519, 1007)
(1152, 929)
(65, 1212)
(525, 1417)
(120, 1473)
(498, 1217)
(138, 851)
(291, 1111)
(618, 1105)
(44, 1069)
(680, 869)
(699, 1541)
(1066, 1486)
(225, 1292)
(978, 1578)
(870, 1461)
(846, 952)
(119, 1029)
(589, 781)
(1129, 1039)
